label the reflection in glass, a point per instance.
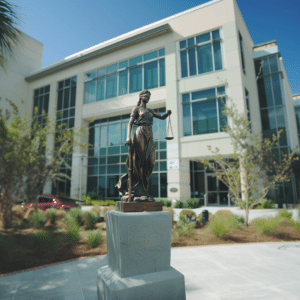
(150, 75)
(205, 118)
(183, 60)
(205, 63)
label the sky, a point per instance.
(65, 27)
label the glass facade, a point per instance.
(272, 112)
(130, 76)
(297, 111)
(201, 54)
(66, 102)
(108, 154)
(202, 111)
(41, 102)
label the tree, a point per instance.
(25, 161)
(252, 169)
(9, 34)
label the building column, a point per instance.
(50, 140)
(79, 158)
(178, 168)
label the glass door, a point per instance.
(217, 191)
(211, 190)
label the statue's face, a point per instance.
(145, 98)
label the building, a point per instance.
(188, 61)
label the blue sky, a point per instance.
(68, 26)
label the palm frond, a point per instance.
(9, 34)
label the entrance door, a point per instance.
(216, 191)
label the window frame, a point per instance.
(217, 97)
(196, 46)
(128, 68)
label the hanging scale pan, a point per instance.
(169, 126)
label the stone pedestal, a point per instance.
(139, 256)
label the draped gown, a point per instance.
(143, 156)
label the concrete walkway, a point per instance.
(231, 272)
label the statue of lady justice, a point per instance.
(140, 162)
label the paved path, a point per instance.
(231, 272)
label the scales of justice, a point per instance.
(140, 162)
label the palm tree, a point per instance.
(9, 35)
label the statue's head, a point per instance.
(145, 93)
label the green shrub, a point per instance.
(183, 229)
(19, 224)
(193, 203)
(76, 214)
(266, 204)
(73, 231)
(187, 212)
(199, 218)
(295, 224)
(87, 200)
(222, 224)
(38, 219)
(164, 202)
(90, 220)
(95, 238)
(178, 204)
(267, 226)
(239, 220)
(283, 213)
(52, 215)
(109, 203)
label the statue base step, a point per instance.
(138, 206)
(163, 285)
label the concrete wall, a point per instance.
(26, 57)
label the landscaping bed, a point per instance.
(63, 240)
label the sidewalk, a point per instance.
(231, 272)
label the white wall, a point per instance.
(27, 57)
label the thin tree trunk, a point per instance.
(6, 207)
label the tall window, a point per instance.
(108, 154)
(242, 53)
(41, 102)
(248, 108)
(297, 111)
(142, 72)
(201, 54)
(66, 101)
(272, 111)
(270, 98)
(202, 111)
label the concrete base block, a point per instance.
(163, 285)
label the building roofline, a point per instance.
(151, 30)
(263, 44)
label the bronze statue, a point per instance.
(140, 162)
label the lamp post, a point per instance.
(80, 184)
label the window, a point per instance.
(242, 53)
(108, 154)
(202, 111)
(201, 54)
(41, 102)
(130, 76)
(66, 101)
(248, 108)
